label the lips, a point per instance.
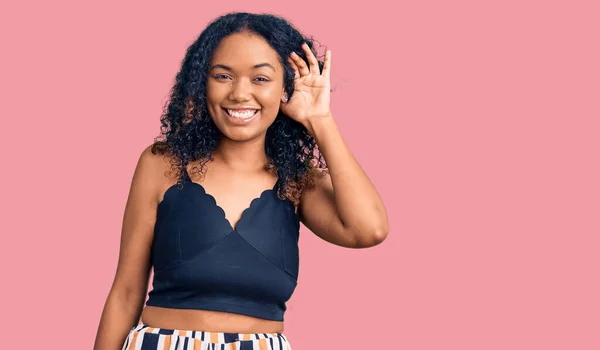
(241, 115)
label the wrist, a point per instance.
(315, 124)
(318, 125)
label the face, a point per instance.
(245, 86)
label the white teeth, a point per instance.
(242, 115)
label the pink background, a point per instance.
(477, 122)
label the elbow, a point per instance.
(379, 235)
(371, 238)
(376, 232)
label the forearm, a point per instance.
(358, 203)
(120, 314)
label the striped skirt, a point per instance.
(144, 337)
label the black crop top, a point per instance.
(201, 262)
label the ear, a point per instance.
(284, 97)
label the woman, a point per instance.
(215, 206)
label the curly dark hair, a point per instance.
(189, 134)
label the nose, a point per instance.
(241, 91)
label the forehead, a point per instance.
(244, 50)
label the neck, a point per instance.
(248, 156)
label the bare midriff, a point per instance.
(207, 321)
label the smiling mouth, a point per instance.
(241, 114)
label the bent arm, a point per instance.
(344, 208)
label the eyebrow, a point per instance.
(227, 68)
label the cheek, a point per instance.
(270, 96)
(213, 93)
(213, 100)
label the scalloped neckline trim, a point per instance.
(245, 213)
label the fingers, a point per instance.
(300, 64)
(312, 60)
(300, 67)
(294, 67)
(327, 64)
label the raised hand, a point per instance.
(311, 97)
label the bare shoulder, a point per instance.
(153, 172)
(320, 181)
(318, 184)
(154, 161)
(316, 190)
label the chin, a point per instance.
(242, 135)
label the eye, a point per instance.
(221, 76)
(262, 79)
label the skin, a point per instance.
(236, 176)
